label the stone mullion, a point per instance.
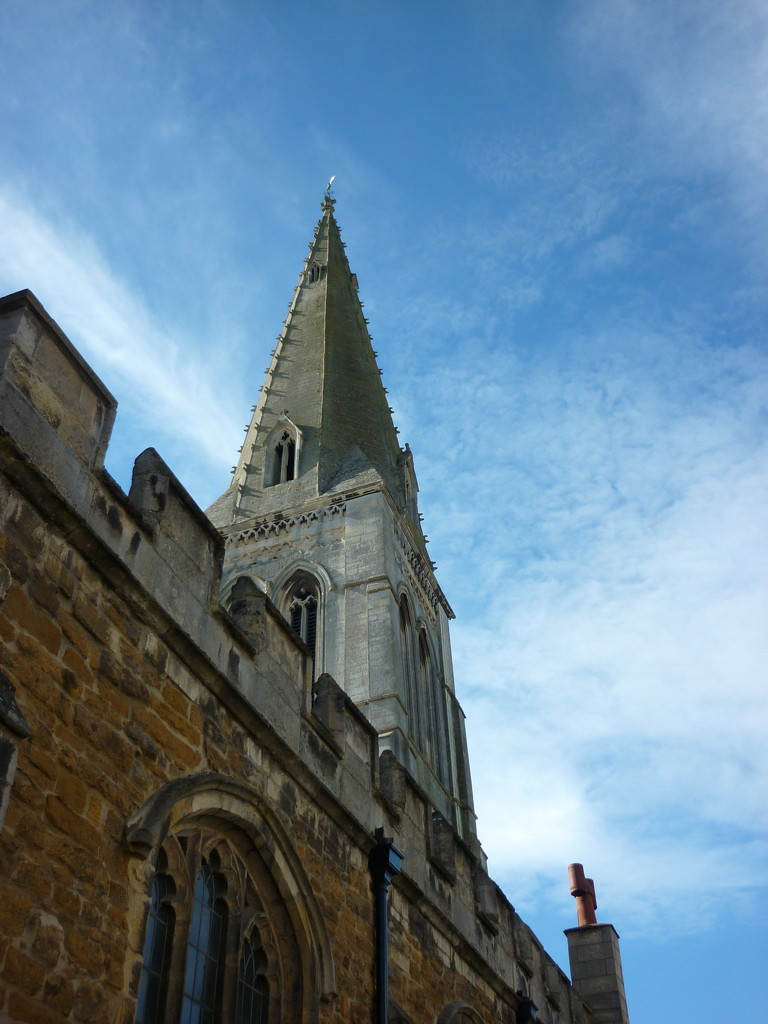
(232, 944)
(182, 903)
(254, 920)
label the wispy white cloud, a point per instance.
(168, 391)
(699, 72)
(608, 550)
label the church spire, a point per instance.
(322, 515)
(322, 423)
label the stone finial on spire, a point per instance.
(584, 891)
(328, 201)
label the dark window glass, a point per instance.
(252, 986)
(302, 613)
(283, 460)
(296, 615)
(311, 624)
(157, 953)
(205, 951)
(290, 460)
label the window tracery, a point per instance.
(315, 272)
(252, 984)
(201, 1001)
(302, 609)
(207, 944)
(283, 460)
(270, 900)
(458, 1013)
(282, 452)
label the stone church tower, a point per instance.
(322, 514)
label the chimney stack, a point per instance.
(593, 951)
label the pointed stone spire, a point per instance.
(322, 515)
(322, 399)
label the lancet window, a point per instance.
(203, 974)
(157, 948)
(208, 955)
(252, 983)
(303, 609)
(437, 746)
(283, 466)
(415, 705)
(315, 272)
(426, 690)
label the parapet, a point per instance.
(57, 409)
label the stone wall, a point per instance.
(156, 718)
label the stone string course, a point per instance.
(276, 523)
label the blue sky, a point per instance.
(557, 214)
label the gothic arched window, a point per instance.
(153, 983)
(303, 604)
(205, 959)
(409, 669)
(252, 983)
(283, 462)
(277, 956)
(426, 695)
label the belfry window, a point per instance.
(302, 612)
(282, 452)
(283, 460)
(315, 272)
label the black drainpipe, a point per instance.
(384, 863)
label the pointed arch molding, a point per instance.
(459, 1013)
(303, 565)
(211, 796)
(283, 424)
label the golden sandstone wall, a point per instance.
(163, 729)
